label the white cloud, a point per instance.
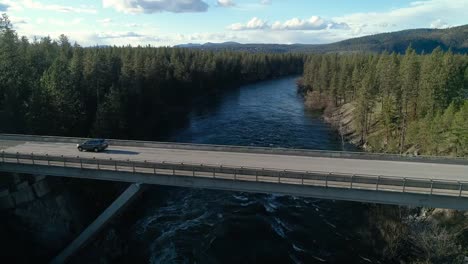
(105, 22)
(154, 6)
(119, 35)
(254, 23)
(30, 4)
(317, 30)
(265, 2)
(313, 23)
(419, 14)
(16, 21)
(59, 22)
(225, 3)
(439, 23)
(132, 25)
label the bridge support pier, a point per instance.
(131, 192)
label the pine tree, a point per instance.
(408, 94)
(460, 130)
(111, 116)
(13, 80)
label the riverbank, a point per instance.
(419, 235)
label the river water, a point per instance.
(178, 225)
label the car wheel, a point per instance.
(96, 150)
(80, 149)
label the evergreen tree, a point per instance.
(460, 131)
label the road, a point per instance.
(268, 161)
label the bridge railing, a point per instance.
(251, 174)
(247, 149)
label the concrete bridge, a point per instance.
(363, 177)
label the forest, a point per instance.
(55, 87)
(400, 103)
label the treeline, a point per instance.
(410, 102)
(422, 40)
(53, 87)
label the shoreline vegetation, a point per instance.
(408, 104)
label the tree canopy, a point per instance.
(54, 87)
(400, 102)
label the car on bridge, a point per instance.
(95, 145)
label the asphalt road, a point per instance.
(282, 162)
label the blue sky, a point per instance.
(170, 22)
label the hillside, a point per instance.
(422, 40)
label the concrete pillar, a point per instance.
(97, 225)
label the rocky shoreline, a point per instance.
(446, 230)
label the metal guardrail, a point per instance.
(252, 174)
(248, 149)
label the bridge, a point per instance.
(362, 177)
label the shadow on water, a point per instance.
(121, 152)
(211, 104)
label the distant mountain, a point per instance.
(189, 45)
(422, 40)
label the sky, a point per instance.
(172, 22)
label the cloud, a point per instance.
(3, 7)
(133, 25)
(313, 23)
(418, 14)
(314, 30)
(30, 4)
(59, 22)
(439, 23)
(265, 2)
(105, 20)
(118, 35)
(253, 24)
(225, 3)
(155, 6)
(18, 20)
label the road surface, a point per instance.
(267, 161)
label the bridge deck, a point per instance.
(384, 168)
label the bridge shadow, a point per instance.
(120, 152)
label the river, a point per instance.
(178, 225)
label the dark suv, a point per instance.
(95, 145)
